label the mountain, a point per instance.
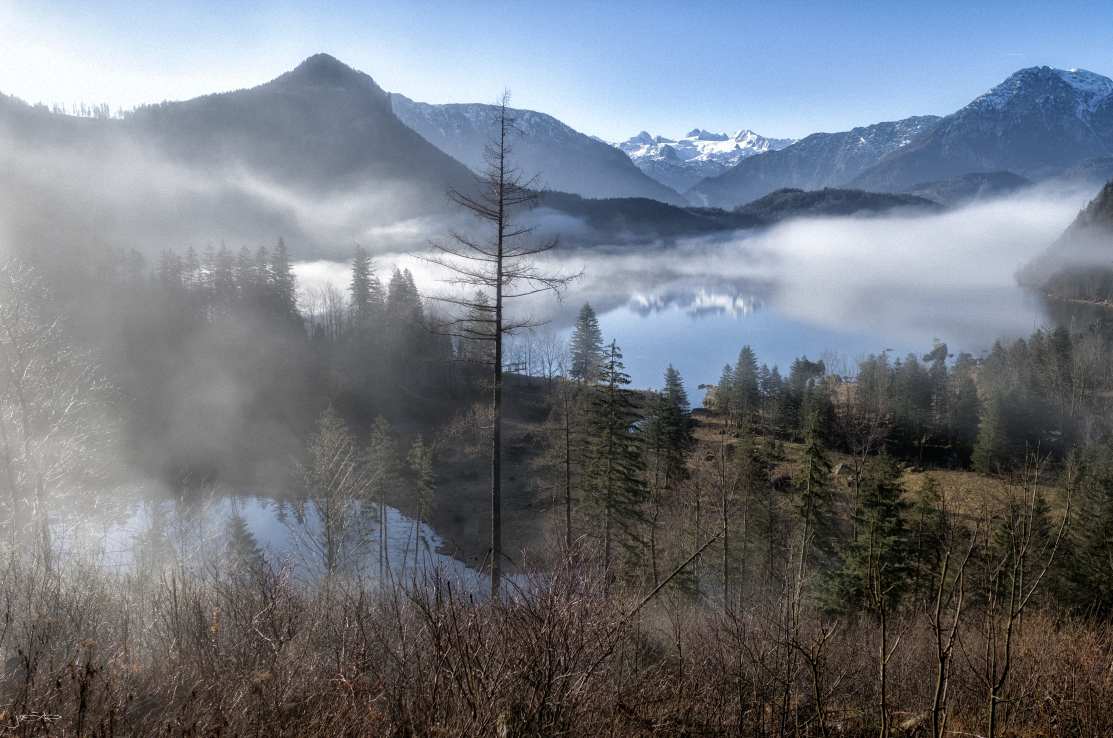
(315, 155)
(1079, 265)
(1037, 123)
(567, 161)
(793, 203)
(968, 187)
(682, 163)
(817, 161)
(637, 219)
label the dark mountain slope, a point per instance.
(792, 203)
(315, 155)
(323, 123)
(968, 187)
(1079, 265)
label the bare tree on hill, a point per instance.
(501, 266)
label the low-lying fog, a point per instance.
(849, 286)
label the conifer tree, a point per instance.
(283, 284)
(243, 547)
(812, 505)
(992, 451)
(366, 305)
(586, 346)
(613, 481)
(759, 513)
(724, 397)
(928, 536)
(674, 391)
(875, 564)
(744, 386)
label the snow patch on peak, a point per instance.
(683, 162)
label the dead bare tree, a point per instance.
(501, 266)
(1015, 572)
(51, 414)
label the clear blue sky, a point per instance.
(606, 68)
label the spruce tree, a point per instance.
(284, 285)
(724, 397)
(336, 480)
(744, 387)
(875, 565)
(812, 505)
(586, 346)
(928, 536)
(760, 513)
(366, 306)
(674, 391)
(613, 482)
(992, 451)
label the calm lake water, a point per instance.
(198, 532)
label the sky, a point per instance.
(611, 69)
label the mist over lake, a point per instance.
(840, 288)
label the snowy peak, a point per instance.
(1075, 89)
(682, 162)
(1038, 123)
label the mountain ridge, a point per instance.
(815, 161)
(567, 160)
(1037, 123)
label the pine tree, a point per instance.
(744, 386)
(875, 563)
(366, 306)
(992, 451)
(613, 482)
(284, 285)
(812, 505)
(586, 345)
(724, 397)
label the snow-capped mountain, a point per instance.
(1038, 123)
(680, 163)
(567, 160)
(816, 161)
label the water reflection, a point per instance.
(698, 298)
(226, 530)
